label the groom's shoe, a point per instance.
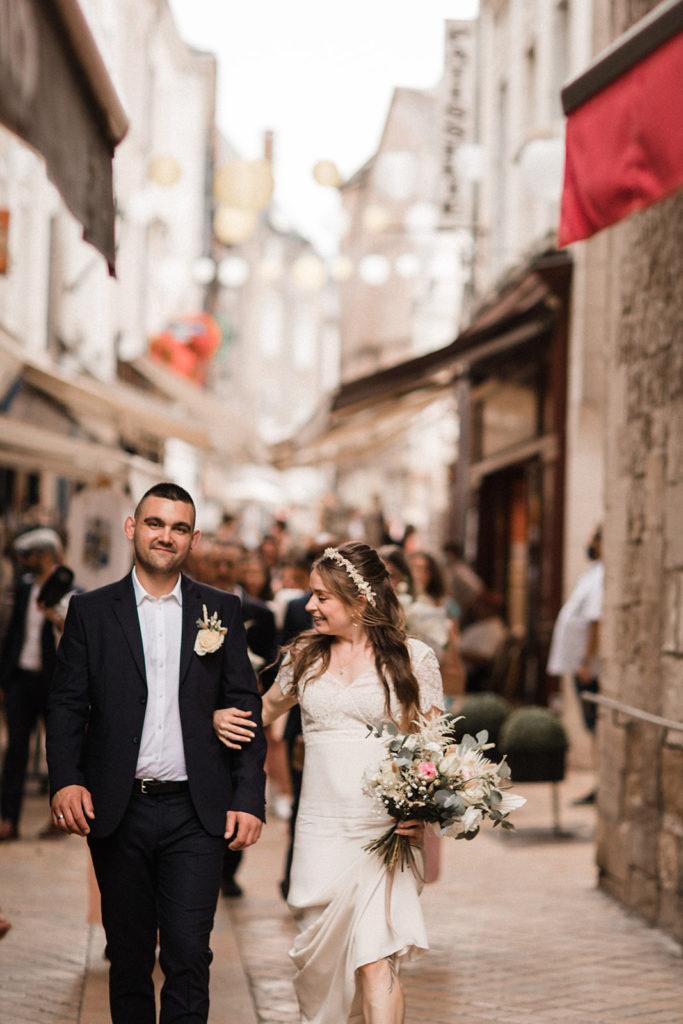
(231, 890)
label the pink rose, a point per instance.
(427, 769)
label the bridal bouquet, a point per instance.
(427, 775)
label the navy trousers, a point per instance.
(159, 872)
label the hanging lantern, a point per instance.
(374, 269)
(407, 265)
(327, 173)
(270, 270)
(309, 273)
(341, 268)
(245, 184)
(233, 226)
(395, 174)
(164, 171)
(203, 270)
(376, 218)
(443, 266)
(422, 217)
(233, 271)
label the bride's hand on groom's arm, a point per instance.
(233, 727)
(246, 826)
(71, 808)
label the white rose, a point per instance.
(471, 819)
(208, 641)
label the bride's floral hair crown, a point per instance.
(362, 585)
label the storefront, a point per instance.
(508, 491)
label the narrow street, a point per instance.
(519, 935)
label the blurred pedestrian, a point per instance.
(482, 640)
(400, 575)
(427, 616)
(199, 562)
(294, 572)
(575, 645)
(27, 664)
(254, 576)
(297, 620)
(226, 560)
(462, 583)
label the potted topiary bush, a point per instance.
(482, 711)
(535, 742)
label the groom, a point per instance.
(136, 767)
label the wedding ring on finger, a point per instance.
(60, 817)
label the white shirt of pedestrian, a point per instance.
(162, 754)
(31, 657)
(570, 635)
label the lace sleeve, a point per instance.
(428, 675)
(285, 678)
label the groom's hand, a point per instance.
(247, 826)
(71, 808)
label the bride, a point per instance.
(355, 667)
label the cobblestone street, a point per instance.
(519, 935)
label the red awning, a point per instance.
(624, 139)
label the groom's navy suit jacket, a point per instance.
(97, 703)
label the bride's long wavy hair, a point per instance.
(384, 625)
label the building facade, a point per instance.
(66, 325)
(636, 269)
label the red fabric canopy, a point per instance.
(624, 146)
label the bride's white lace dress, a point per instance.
(338, 890)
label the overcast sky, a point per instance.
(320, 74)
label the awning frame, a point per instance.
(642, 39)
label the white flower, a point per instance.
(211, 634)
(471, 819)
(207, 641)
(449, 765)
(510, 802)
(475, 790)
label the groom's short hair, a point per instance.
(173, 492)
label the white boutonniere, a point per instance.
(211, 634)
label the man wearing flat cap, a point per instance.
(27, 663)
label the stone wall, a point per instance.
(640, 842)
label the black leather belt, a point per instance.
(152, 787)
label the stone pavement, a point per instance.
(519, 934)
(51, 965)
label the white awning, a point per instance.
(36, 449)
(134, 414)
(231, 428)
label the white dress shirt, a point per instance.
(570, 635)
(31, 657)
(162, 755)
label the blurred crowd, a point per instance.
(445, 604)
